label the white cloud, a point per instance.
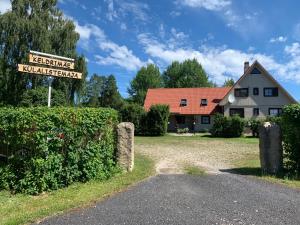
(175, 13)
(111, 12)
(93, 38)
(278, 39)
(119, 55)
(5, 6)
(293, 50)
(123, 26)
(237, 20)
(118, 10)
(137, 9)
(223, 62)
(296, 33)
(214, 5)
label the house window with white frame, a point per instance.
(275, 111)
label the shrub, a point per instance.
(291, 138)
(157, 120)
(135, 114)
(183, 130)
(52, 148)
(227, 126)
(254, 125)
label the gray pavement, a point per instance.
(183, 199)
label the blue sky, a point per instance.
(120, 36)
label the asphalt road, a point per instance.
(184, 199)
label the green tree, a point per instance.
(35, 25)
(102, 91)
(39, 97)
(94, 90)
(228, 83)
(187, 74)
(110, 96)
(147, 77)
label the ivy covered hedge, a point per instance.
(52, 148)
(290, 125)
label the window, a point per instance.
(256, 112)
(275, 111)
(204, 101)
(255, 71)
(180, 119)
(237, 111)
(241, 92)
(270, 92)
(255, 91)
(205, 119)
(183, 102)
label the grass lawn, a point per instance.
(194, 170)
(21, 209)
(250, 165)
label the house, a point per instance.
(255, 95)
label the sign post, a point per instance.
(50, 80)
(56, 66)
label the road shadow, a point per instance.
(253, 171)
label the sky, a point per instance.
(120, 36)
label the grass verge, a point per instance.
(250, 165)
(194, 170)
(21, 209)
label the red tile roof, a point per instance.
(172, 97)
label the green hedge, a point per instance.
(254, 125)
(157, 120)
(227, 126)
(135, 114)
(53, 148)
(291, 138)
(151, 123)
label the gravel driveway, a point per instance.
(223, 199)
(172, 153)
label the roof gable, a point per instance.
(263, 72)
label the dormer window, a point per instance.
(183, 102)
(204, 101)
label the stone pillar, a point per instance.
(270, 148)
(125, 154)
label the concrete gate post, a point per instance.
(125, 154)
(270, 148)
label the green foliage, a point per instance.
(39, 97)
(274, 119)
(52, 148)
(102, 91)
(35, 25)
(110, 95)
(182, 131)
(135, 114)
(147, 77)
(291, 137)
(254, 125)
(228, 83)
(227, 126)
(184, 75)
(157, 120)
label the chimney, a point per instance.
(246, 66)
